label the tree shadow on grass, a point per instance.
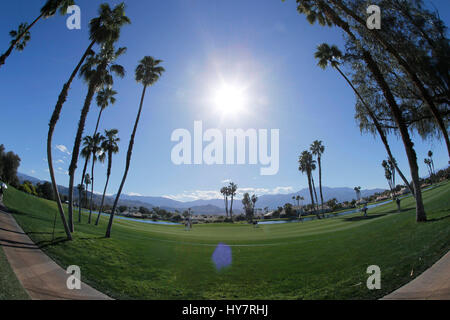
(12, 231)
(361, 218)
(31, 246)
(401, 210)
(439, 219)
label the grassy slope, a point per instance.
(10, 288)
(313, 260)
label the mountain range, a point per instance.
(216, 206)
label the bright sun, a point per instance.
(230, 99)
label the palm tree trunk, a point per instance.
(127, 166)
(409, 146)
(80, 192)
(55, 117)
(319, 160)
(4, 56)
(310, 191)
(77, 144)
(379, 129)
(226, 205)
(92, 191)
(98, 121)
(315, 192)
(409, 71)
(103, 201)
(231, 208)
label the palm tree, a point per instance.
(313, 168)
(232, 188)
(331, 55)
(358, 193)
(86, 153)
(110, 147)
(148, 73)
(429, 167)
(26, 36)
(22, 36)
(430, 155)
(80, 188)
(321, 8)
(105, 97)
(225, 192)
(97, 73)
(318, 149)
(87, 182)
(105, 28)
(97, 154)
(410, 72)
(306, 164)
(389, 174)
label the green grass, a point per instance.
(10, 287)
(324, 259)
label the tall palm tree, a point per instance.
(148, 72)
(430, 154)
(97, 72)
(322, 8)
(22, 36)
(85, 153)
(105, 97)
(97, 154)
(389, 174)
(306, 163)
(313, 168)
(358, 193)
(410, 72)
(225, 192)
(21, 31)
(331, 55)
(80, 188)
(87, 182)
(105, 28)
(317, 149)
(232, 188)
(110, 147)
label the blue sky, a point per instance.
(265, 46)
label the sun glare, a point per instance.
(230, 99)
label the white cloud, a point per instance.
(134, 194)
(60, 161)
(226, 181)
(33, 171)
(63, 149)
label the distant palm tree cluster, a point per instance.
(229, 192)
(97, 68)
(307, 164)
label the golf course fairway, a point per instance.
(323, 259)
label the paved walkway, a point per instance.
(433, 284)
(40, 276)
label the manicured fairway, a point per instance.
(324, 259)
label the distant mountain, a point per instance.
(217, 206)
(23, 177)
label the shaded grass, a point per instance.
(320, 259)
(10, 287)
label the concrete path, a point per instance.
(40, 276)
(433, 284)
